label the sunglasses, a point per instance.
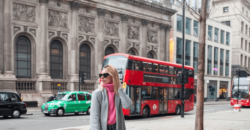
(105, 75)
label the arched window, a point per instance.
(85, 57)
(56, 60)
(150, 55)
(109, 50)
(23, 57)
(131, 52)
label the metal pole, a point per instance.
(238, 86)
(183, 55)
(79, 79)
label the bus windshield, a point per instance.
(119, 62)
(241, 94)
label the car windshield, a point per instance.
(65, 97)
(60, 96)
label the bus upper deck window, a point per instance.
(162, 69)
(138, 65)
(166, 70)
(155, 68)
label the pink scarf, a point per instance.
(111, 110)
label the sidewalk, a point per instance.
(227, 120)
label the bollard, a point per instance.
(237, 107)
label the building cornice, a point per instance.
(150, 6)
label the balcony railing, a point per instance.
(25, 85)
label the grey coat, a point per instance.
(99, 109)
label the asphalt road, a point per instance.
(38, 121)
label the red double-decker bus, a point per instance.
(152, 85)
(240, 91)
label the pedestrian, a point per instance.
(107, 102)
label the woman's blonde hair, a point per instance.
(115, 77)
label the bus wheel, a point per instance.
(178, 110)
(145, 112)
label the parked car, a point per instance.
(68, 102)
(11, 105)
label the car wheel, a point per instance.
(145, 112)
(60, 112)
(47, 114)
(5, 117)
(178, 110)
(16, 114)
(77, 113)
(88, 111)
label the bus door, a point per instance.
(163, 103)
(135, 95)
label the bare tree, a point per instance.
(201, 16)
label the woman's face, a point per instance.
(106, 80)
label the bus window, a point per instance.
(130, 65)
(146, 92)
(166, 70)
(155, 94)
(147, 66)
(162, 69)
(171, 93)
(155, 68)
(177, 93)
(171, 70)
(138, 65)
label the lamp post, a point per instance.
(58, 86)
(238, 86)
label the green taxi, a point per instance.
(68, 102)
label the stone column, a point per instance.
(100, 39)
(167, 35)
(8, 48)
(1, 36)
(162, 43)
(43, 84)
(74, 44)
(143, 51)
(124, 34)
(7, 81)
(43, 40)
(218, 90)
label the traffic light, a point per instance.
(82, 76)
(185, 77)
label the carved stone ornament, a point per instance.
(58, 33)
(58, 19)
(106, 42)
(101, 12)
(75, 5)
(87, 37)
(155, 49)
(111, 29)
(133, 32)
(168, 27)
(16, 29)
(128, 45)
(112, 15)
(144, 22)
(33, 31)
(51, 34)
(87, 9)
(124, 17)
(43, 1)
(80, 38)
(152, 36)
(162, 26)
(86, 24)
(92, 40)
(148, 47)
(25, 28)
(24, 13)
(59, 3)
(116, 43)
(137, 46)
(65, 36)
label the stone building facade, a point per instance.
(46, 42)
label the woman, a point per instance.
(107, 102)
